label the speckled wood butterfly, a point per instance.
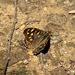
(36, 39)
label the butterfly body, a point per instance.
(36, 39)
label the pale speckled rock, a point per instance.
(58, 71)
(61, 19)
(73, 23)
(62, 31)
(55, 39)
(1, 34)
(70, 44)
(26, 61)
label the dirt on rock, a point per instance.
(47, 15)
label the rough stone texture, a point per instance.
(52, 15)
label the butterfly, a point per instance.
(36, 39)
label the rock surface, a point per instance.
(51, 15)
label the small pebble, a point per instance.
(22, 27)
(45, 8)
(47, 65)
(25, 61)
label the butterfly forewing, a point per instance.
(36, 39)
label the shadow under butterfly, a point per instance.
(37, 40)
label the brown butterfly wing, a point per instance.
(33, 36)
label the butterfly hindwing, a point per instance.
(41, 45)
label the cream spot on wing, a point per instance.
(38, 33)
(31, 34)
(31, 39)
(27, 32)
(35, 31)
(32, 30)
